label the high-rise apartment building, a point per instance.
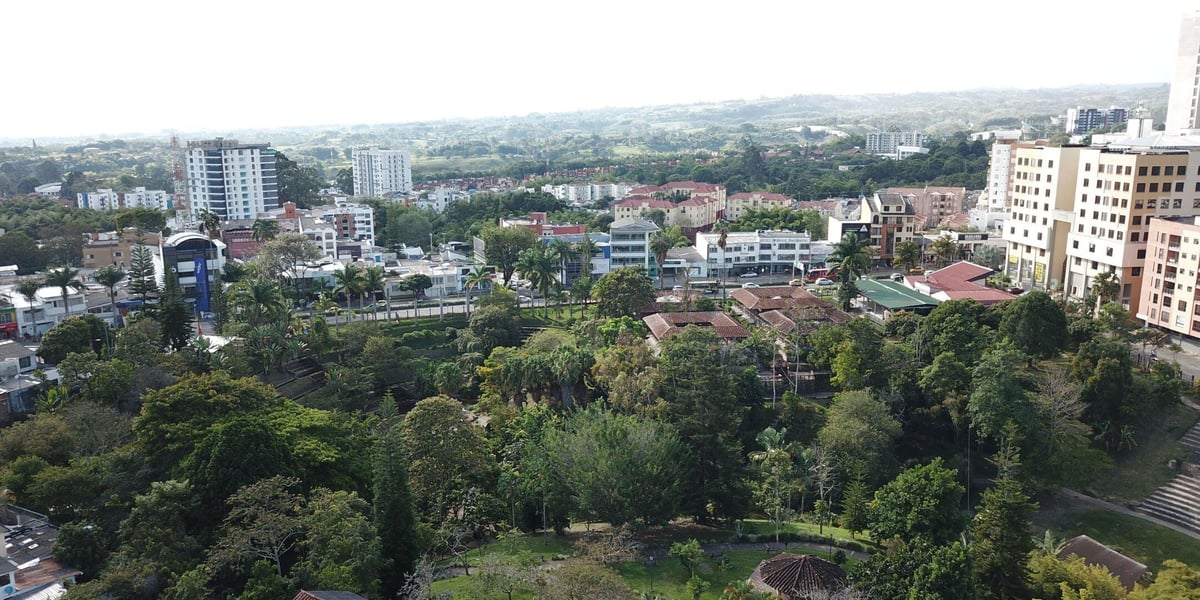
(235, 181)
(1170, 295)
(1081, 120)
(379, 173)
(1184, 100)
(1118, 194)
(886, 142)
(1041, 200)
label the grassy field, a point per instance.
(1138, 472)
(1141, 540)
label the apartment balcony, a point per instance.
(1173, 247)
(1169, 278)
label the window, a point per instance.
(1155, 170)
(1178, 186)
(1141, 171)
(1153, 187)
(1141, 187)
(1169, 170)
(1135, 272)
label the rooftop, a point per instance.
(892, 295)
(10, 349)
(664, 325)
(1126, 569)
(798, 577)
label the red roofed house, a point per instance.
(786, 309)
(959, 281)
(664, 325)
(689, 205)
(739, 203)
(540, 225)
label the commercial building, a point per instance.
(629, 244)
(931, 204)
(1184, 100)
(881, 221)
(112, 248)
(139, 197)
(232, 180)
(1042, 203)
(197, 260)
(762, 252)
(381, 173)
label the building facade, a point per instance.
(1081, 120)
(737, 205)
(1184, 100)
(350, 221)
(1170, 294)
(379, 173)
(232, 180)
(139, 197)
(111, 248)
(629, 244)
(1042, 199)
(762, 252)
(197, 260)
(887, 142)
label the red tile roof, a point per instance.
(664, 325)
(1126, 569)
(644, 203)
(959, 281)
(770, 196)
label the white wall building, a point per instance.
(350, 221)
(629, 244)
(887, 142)
(378, 173)
(580, 194)
(757, 251)
(139, 197)
(1184, 100)
(235, 181)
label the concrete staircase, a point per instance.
(1178, 501)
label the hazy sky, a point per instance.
(87, 67)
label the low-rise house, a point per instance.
(664, 325)
(960, 281)
(16, 359)
(1127, 570)
(786, 309)
(28, 569)
(113, 248)
(883, 298)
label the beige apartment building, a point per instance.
(1120, 194)
(1170, 295)
(1042, 199)
(109, 248)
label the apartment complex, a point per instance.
(1081, 120)
(932, 204)
(139, 197)
(882, 221)
(233, 180)
(379, 173)
(1041, 200)
(1184, 100)
(349, 220)
(888, 142)
(580, 194)
(113, 248)
(629, 244)
(738, 204)
(1170, 295)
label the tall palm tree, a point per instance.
(908, 254)
(945, 250)
(475, 278)
(64, 278)
(537, 264)
(849, 260)
(586, 249)
(210, 222)
(349, 281)
(563, 252)
(660, 244)
(28, 289)
(721, 243)
(264, 229)
(373, 279)
(109, 276)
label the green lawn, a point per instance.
(1141, 540)
(1140, 471)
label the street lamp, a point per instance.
(650, 564)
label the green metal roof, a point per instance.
(892, 295)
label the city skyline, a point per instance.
(151, 67)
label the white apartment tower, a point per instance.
(235, 181)
(378, 173)
(1184, 100)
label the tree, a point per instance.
(344, 179)
(373, 280)
(624, 291)
(349, 281)
(1176, 581)
(917, 569)
(20, 249)
(1035, 324)
(264, 230)
(258, 302)
(1105, 287)
(722, 243)
(447, 457)
(210, 222)
(109, 276)
(923, 502)
(1050, 576)
(65, 278)
(537, 264)
(584, 580)
(689, 553)
(945, 250)
(586, 249)
(284, 252)
(342, 550)
(173, 316)
(235, 452)
(392, 512)
(849, 260)
(298, 184)
(84, 333)
(1000, 534)
(28, 289)
(501, 575)
(660, 244)
(81, 545)
(1000, 395)
(855, 502)
(776, 469)
(503, 247)
(908, 255)
(141, 273)
(859, 434)
(264, 523)
(159, 529)
(620, 468)
(476, 278)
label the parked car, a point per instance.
(796, 282)
(748, 275)
(824, 281)
(897, 276)
(750, 285)
(678, 288)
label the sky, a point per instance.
(86, 68)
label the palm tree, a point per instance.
(373, 279)
(660, 244)
(475, 278)
(945, 250)
(721, 243)
(349, 281)
(264, 229)
(109, 277)
(586, 249)
(1105, 287)
(582, 291)
(849, 260)
(908, 254)
(210, 222)
(562, 252)
(537, 265)
(64, 278)
(28, 288)
(260, 302)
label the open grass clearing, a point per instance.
(1141, 540)
(1139, 471)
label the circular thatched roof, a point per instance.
(798, 576)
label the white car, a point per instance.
(749, 285)
(824, 281)
(678, 288)
(748, 275)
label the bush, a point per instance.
(451, 333)
(839, 557)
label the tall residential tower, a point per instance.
(379, 173)
(1185, 85)
(235, 181)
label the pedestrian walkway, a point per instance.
(1178, 501)
(1109, 506)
